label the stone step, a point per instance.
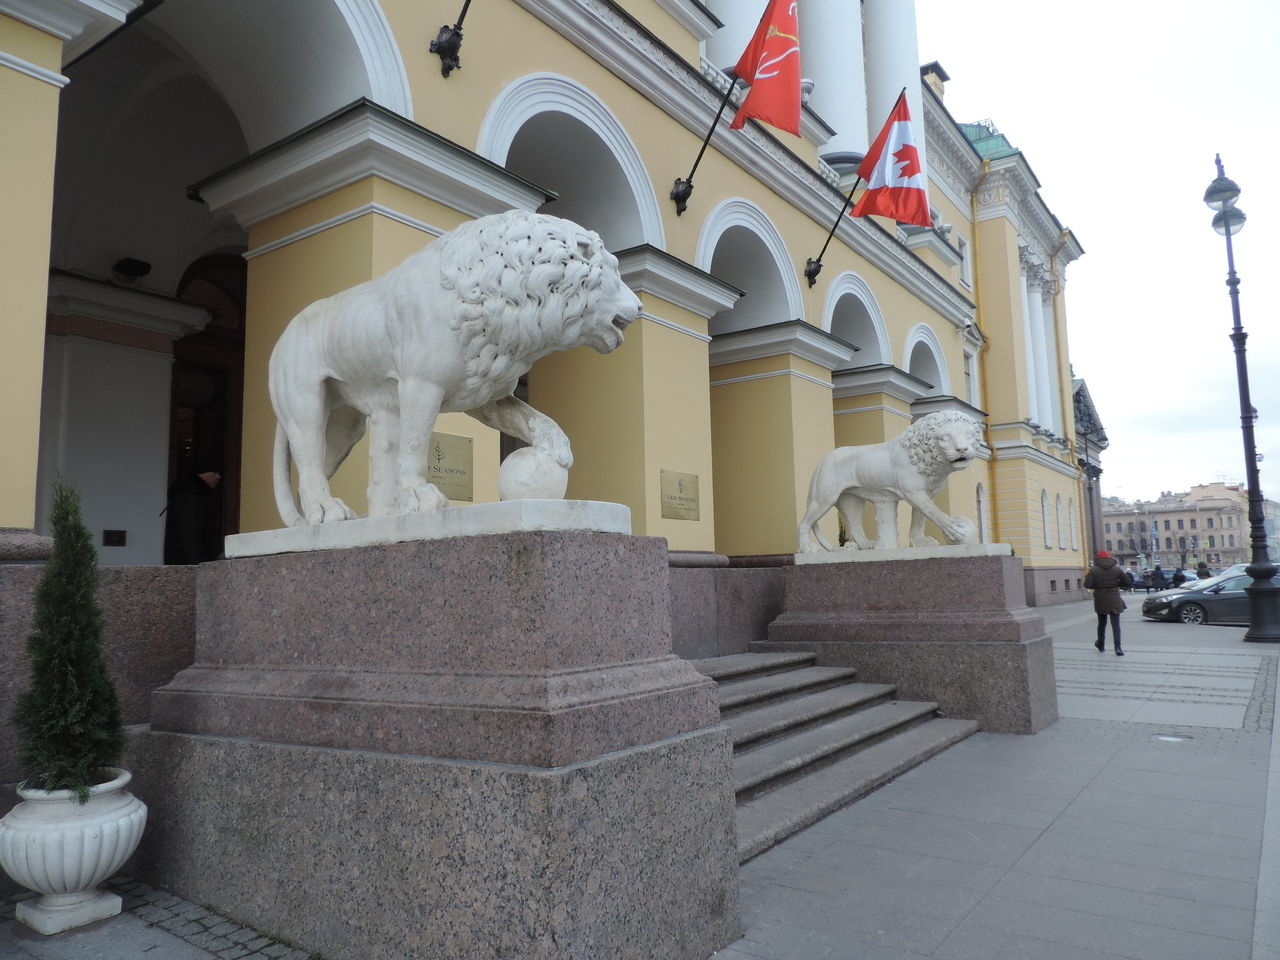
(777, 814)
(738, 695)
(756, 771)
(738, 665)
(757, 726)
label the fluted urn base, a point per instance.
(61, 848)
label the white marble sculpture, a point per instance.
(453, 328)
(913, 466)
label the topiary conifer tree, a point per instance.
(68, 719)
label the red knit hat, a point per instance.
(1103, 555)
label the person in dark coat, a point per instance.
(193, 516)
(1157, 578)
(1179, 578)
(1106, 579)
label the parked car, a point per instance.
(1219, 599)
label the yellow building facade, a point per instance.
(184, 177)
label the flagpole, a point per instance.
(813, 267)
(683, 188)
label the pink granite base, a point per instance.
(956, 631)
(357, 855)
(541, 648)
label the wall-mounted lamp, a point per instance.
(448, 43)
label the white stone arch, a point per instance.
(922, 335)
(740, 212)
(1074, 521)
(388, 82)
(850, 284)
(537, 93)
(1044, 518)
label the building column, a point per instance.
(1053, 378)
(771, 419)
(831, 44)
(1028, 339)
(1040, 367)
(892, 63)
(620, 410)
(29, 88)
(740, 19)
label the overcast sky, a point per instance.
(1119, 108)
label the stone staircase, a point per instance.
(808, 740)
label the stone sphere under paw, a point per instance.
(968, 528)
(530, 474)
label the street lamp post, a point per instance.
(1264, 594)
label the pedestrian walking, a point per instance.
(1157, 578)
(1179, 578)
(1106, 579)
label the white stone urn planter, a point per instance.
(57, 846)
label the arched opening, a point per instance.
(158, 107)
(925, 360)
(855, 317)
(564, 155)
(741, 246)
(555, 132)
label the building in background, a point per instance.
(1209, 523)
(181, 178)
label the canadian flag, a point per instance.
(895, 179)
(771, 64)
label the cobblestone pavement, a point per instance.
(203, 932)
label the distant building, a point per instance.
(1209, 523)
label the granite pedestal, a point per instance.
(471, 747)
(953, 629)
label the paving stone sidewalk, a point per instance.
(1103, 836)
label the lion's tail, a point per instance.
(285, 503)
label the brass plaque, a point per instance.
(449, 466)
(679, 495)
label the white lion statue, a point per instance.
(912, 466)
(452, 328)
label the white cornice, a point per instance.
(79, 24)
(72, 296)
(693, 16)
(677, 327)
(930, 238)
(794, 337)
(647, 269)
(358, 142)
(1013, 450)
(769, 375)
(879, 378)
(954, 166)
(677, 89)
(33, 70)
(340, 218)
(927, 405)
(1011, 190)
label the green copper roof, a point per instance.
(987, 140)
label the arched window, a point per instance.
(980, 495)
(1073, 521)
(1168, 543)
(1044, 518)
(1057, 514)
(1108, 544)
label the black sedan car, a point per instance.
(1218, 599)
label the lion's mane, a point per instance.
(920, 441)
(525, 285)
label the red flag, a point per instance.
(895, 178)
(771, 64)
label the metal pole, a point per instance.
(1264, 594)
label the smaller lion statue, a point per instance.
(452, 328)
(912, 466)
